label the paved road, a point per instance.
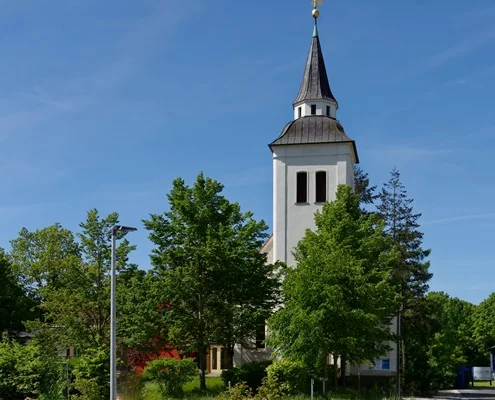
(464, 394)
(479, 394)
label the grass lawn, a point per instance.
(214, 386)
(484, 384)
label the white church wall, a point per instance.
(321, 108)
(244, 355)
(385, 365)
(290, 218)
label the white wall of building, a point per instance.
(290, 219)
(304, 108)
(367, 368)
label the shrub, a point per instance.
(240, 391)
(252, 374)
(171, 374)
(291, 376)
(92, 375)
(25, 370)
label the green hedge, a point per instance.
(252, 374)
(170, 374)
(293, 376)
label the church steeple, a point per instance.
(315, 89)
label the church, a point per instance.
(311, 157)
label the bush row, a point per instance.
(290, 376)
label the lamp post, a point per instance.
(121, 230)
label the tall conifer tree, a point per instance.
(412, 269)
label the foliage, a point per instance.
(292, 374)
(362, 186)
(214, 386)
(273, 389)
(240, 391)
(26, 371)
(15, 304)
(251, 373)
(170, 374)
(215, 284)
(411, 270)
(141, 325)
(40, 258)
(446, 342)
(92, 375)
(339, 299)
(130, 386)
(71, 279)
(484, 328)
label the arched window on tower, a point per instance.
(302, 187)
(321, 187)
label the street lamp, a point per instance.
(121, 231)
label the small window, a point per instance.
(299, 112)
(328, 111)
(260, 336)
(302, 187)
(321, 186)
(313, 109)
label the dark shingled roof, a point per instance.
(314, 129)
(315, 84)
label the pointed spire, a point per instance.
(315, 84)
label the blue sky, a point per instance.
(102, 104)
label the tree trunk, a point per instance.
(343, 363)
(325, 375)
(335, 373)
(202, 366)
(230, 354)
(403, 375)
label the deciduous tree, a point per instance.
(15, 305)
(206, 255)
(339, 299)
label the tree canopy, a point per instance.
(339, 299)
(207, 258)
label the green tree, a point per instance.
(484, 328)
(95, 241)
(339, 299)
(28, 370)
(71, 279)
(411, 272)
(39, 258)
(362, 186)
(15, 304)
(141, 324)
(92, 375)
(205, 250)
(450, 342)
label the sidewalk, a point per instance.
(441, 395)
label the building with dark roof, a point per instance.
(311, 156)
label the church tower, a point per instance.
(312, 155)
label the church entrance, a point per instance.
(218, 359)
